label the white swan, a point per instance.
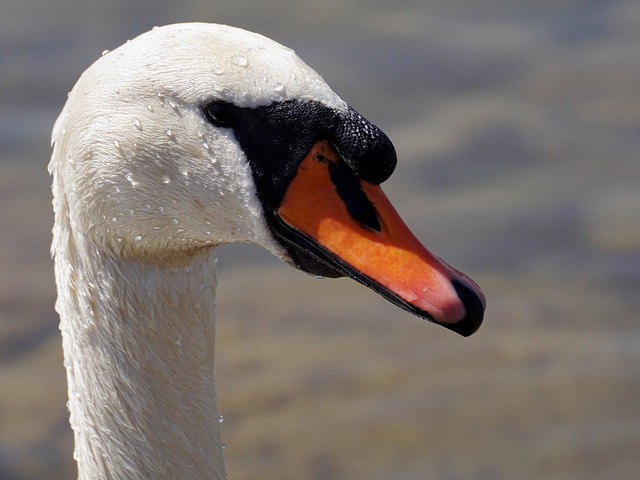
(188, 137)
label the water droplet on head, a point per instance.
(104, 52)
(150, 108)
(169, 133)
(116, 90)
(174, 221)
(166, 180)
(240, 60)
(137, 238)
(137, 124)
(280, 89)
(174, 106)
(206, 145)
(116, 144)
(217, 71)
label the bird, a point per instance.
(188, 137)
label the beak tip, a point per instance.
(465, 327)
(474, 304)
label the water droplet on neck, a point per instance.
(116, 90)
(104, 52)
(129, 176)
(137, 238)
(217, 71)
(137, 124)
(280, 89)
(240, 60)
(166, 180)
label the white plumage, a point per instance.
(136, 288)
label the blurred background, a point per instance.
(517, 126)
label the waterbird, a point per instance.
(185, 138)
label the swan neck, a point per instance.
(139, 352)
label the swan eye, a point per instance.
(221, 114)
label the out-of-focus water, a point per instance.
(517, 127)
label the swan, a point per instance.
(188, 137)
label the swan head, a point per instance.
(194, 135)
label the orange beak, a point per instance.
(353, 227)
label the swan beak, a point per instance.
(350, 225)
